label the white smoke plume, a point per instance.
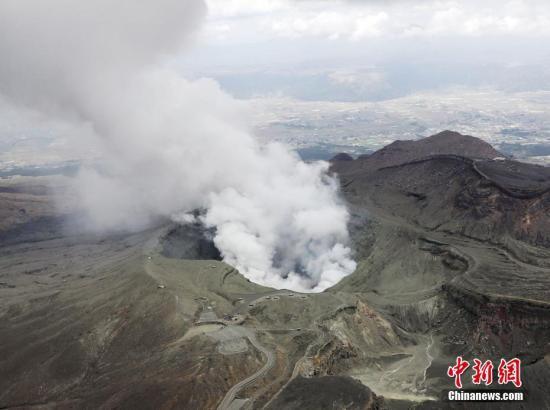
(170, 145)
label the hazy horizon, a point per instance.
(336, 51)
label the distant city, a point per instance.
(518, 124)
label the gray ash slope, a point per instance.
(452, 251)
(453, 239)
(444, 143)
(325, 393)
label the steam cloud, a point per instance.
(170, 145)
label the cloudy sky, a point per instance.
(327, 49)
(346, 51)
(362, 19)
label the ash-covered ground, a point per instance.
(452, 248)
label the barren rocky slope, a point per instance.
(451, 245)
(484, 222)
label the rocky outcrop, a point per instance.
(400, 152)
(329, 392)
(341, 157)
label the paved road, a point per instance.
(232, 393)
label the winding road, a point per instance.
(270, 362)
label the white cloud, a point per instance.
(169, 145)
(354, 20)
(329, 24)
(238, 8)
